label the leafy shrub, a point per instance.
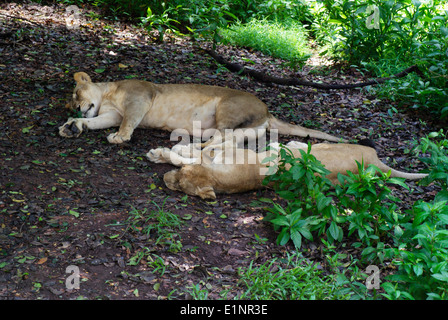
(408, 32)
(363, 206)
(196, 17)
(301, 181)
(371, 209)
(131, 9)
(283, 11)
(437, 161)
(364, 35)
(422, 253)
(362, 203)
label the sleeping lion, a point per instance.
(129, 104)
(235, 170)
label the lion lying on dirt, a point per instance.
(242, 170)
(129, 104)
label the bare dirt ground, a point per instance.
(69, 202)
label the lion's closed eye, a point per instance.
(84, 110)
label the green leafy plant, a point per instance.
(403, 33)
(161, 22)
(369, 29)
(371, 210)
(197, 292)
(151, 259)
(301, 181)
(422, 253)
(283, 11)
(416, 242)
(437, 161)
(361, 205)
(350, 279)
(292, 225)
(197, 18)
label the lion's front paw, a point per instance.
(72, 128)
(156, 155)
(116, 138)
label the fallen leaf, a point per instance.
(236, 252)
(27, 129)
(74, 213)
(187, 216)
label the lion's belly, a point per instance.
(189, 116)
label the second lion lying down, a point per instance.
(228, 171)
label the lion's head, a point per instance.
(86, 96)
(191, 179)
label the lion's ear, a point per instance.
(171, 180)
(82, 77)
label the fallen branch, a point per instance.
(20, 18)
(263, 77)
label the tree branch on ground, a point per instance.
(266, 78)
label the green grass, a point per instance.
(285, 41)
(157, 224)
(289, 278)
(297, 279)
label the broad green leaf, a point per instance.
(418, 269)
(296, 238)
(334, 230)
(283, 237)
(280, 221)
(306, 233)
(443, 276)
(398, 181)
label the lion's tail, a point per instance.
(400, 174)
(296, 130)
